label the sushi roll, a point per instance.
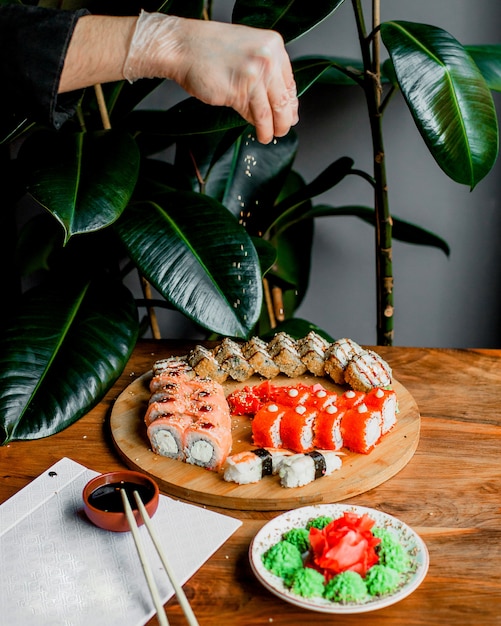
(366, 371)
(229, 356)
(283, 350)
(296, 429)
(361, 428)
(166, 435)
(337, 357)
(207, 444)
(312, 352)
(206, 365)
(350, 398)
(167, 408)
(266, 426)
(287, 395)
(322, 398)
(385, 401)
(256, 352)
(300, 469)
(250, 466)
(328, 433)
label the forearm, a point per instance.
(97, 51)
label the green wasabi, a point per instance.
(283, 559)
(381, 579)
(299, 537)
(307, 582)
(319, 522)
(346, 587)
(391, 553)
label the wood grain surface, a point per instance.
(359, 472)
(449, 492)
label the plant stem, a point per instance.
(372, 90)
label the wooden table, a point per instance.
(450, 493)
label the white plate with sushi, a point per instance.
(410, 576)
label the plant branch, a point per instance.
(372, 89)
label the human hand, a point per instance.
(221, 64)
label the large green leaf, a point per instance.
(84, 179)
(488, 59)
(448, 97)
(292, 207)
(310, 69)
(60, 354)
(198, 257)
(291, 18)
(253, 175)
(401, 230)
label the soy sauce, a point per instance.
(108, 497)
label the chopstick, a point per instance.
(183, 601)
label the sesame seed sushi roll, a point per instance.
(312, 352)
(296, 429)
(328, 433)
(256, 353)
(337, 357)
(366, 371)
(166, 435)
(205, 364)
(266, 426)
(283, 350)
(300, 469)
(385, 401)
(361, 429)
(229, 356)
(250, 466)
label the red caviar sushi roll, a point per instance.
(266, 426)
(361, 428)
(328, 433)
(350, 398)
(321, 398)
(296, 429)
(385, 401)
(290, 395)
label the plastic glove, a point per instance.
(221, 64)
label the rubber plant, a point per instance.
(223, 232)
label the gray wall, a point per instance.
(439, 301)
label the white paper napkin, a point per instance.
(58, 569)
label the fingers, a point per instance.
(272, 99)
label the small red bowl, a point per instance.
(103, 502)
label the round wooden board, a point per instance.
(358, 474)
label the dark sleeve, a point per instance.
(33, 45)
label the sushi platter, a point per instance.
(359, 472)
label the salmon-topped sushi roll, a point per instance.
(166, 435)
(207, 444)
(168, 408)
